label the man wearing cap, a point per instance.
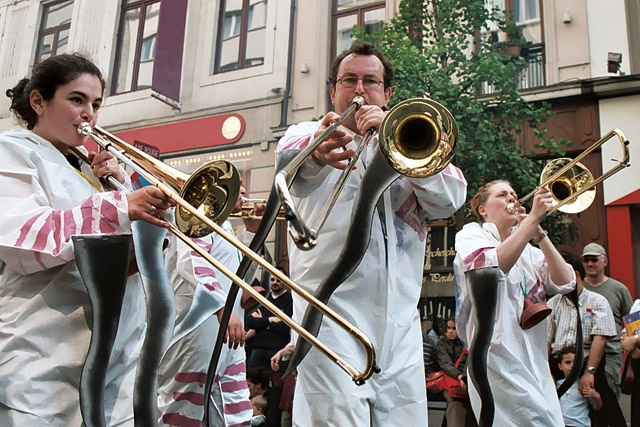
(594, 259)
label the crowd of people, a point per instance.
(45, 312)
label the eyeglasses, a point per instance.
(367, 82)
(587, 259)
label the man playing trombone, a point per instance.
(381, 295)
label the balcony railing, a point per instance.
(532, 76)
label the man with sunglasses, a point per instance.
(594, 259)
(271, 334)
(381, 295)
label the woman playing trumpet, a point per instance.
(48, 197)
(518, 370)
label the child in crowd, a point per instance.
(575, 403)
(259, 405)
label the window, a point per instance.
(525, 10)
(53, 37)
(241, 34)
(349, 13)
(135, 51)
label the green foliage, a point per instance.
(444, 49)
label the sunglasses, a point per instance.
(588, 259)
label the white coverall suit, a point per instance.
(44, 306)
(201, 290)
(380, 297)
(518, 368)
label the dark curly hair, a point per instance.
(46, 77)
(259, 376)
(363, 48)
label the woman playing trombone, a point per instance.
(47, 197)
(518, 371)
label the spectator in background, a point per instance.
(575, 402)
(279, 364)
(631, 345)
(259, 383)
(428, 346)
(259, 405)
(597, 327)
(594, 259)
(271, 334)
(450, 356)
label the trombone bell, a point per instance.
(213, 189)
(570, 182)
(418, 137)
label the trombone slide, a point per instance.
(359, 377)
(572, 163)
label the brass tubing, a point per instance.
(621, 165)
(359, 377)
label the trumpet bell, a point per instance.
(418, 137)
(569, 183)
(213, 189)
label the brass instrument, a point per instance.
(303, 236)
(571, 184)
(417, 138)
(249, 206)
(205, 199)
(420, 137)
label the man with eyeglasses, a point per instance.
(271, 334)
(594, 259)
(381, 295)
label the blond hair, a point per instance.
(482, 195)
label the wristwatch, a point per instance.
(591, 369)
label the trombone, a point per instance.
(202, 187)
(418, 138)
(249, 206)
(571, 184)
(303, 236)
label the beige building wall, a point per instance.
(577, 36)
(621, 113)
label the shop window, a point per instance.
(53, 36)
(241, 35)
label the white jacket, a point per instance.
(379, 298)
(44, 307)
(523, 389)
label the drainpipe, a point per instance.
(281, 233)
(287, 90)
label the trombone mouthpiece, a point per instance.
(84, 129)
(359, 101)
(511, 208)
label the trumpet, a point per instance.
(202, 188)
(572, 185)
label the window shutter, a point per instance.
(167, 67)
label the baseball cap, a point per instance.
(593, 249)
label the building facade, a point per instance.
(200, 80)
